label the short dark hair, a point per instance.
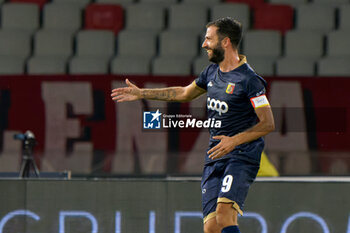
(228, 27)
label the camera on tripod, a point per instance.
(28, 137)
(28, 162)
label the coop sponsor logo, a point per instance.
(217, 105)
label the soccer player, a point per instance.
(236, 96)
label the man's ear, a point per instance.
(226, 42)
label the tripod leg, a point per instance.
(23, 167)
(26, 166)
(27, 169)
(35, 168)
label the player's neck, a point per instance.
(230, 62)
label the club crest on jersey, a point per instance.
(230, 87)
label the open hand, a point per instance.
(129, 93)
(225, 146)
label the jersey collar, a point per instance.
(242, 60)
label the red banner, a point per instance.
(78, 127)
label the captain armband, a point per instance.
(259, 101)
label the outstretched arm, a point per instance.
(176, 94)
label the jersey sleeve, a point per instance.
(256, 92)
(202, 80)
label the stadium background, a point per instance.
(60, 59)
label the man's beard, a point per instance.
(218, 54)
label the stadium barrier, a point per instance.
(279, 205)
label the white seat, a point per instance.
(88, 65)
(124, 65)
(15, 43)
(330, 66)
(79, 3)
(344, 17)
(164, 3)
(177, 49)
(147, 17)
(11, 65)
(262, 43)
(95, 48)
(46, 65)
(304, 44)
(95, 43)
(208, 3)
(171, 66)
(339, 44)
(237, 11)
(124, 3)
(62, 17)
(315, 17)
(293, 3)
(176, 43)
(51, 51)
(188, 17)
(333, 3)
(291, 66)
(20, 16)
(137, 43)
(135, 52)
(49, 43)
(15, 47)
(262, 66)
